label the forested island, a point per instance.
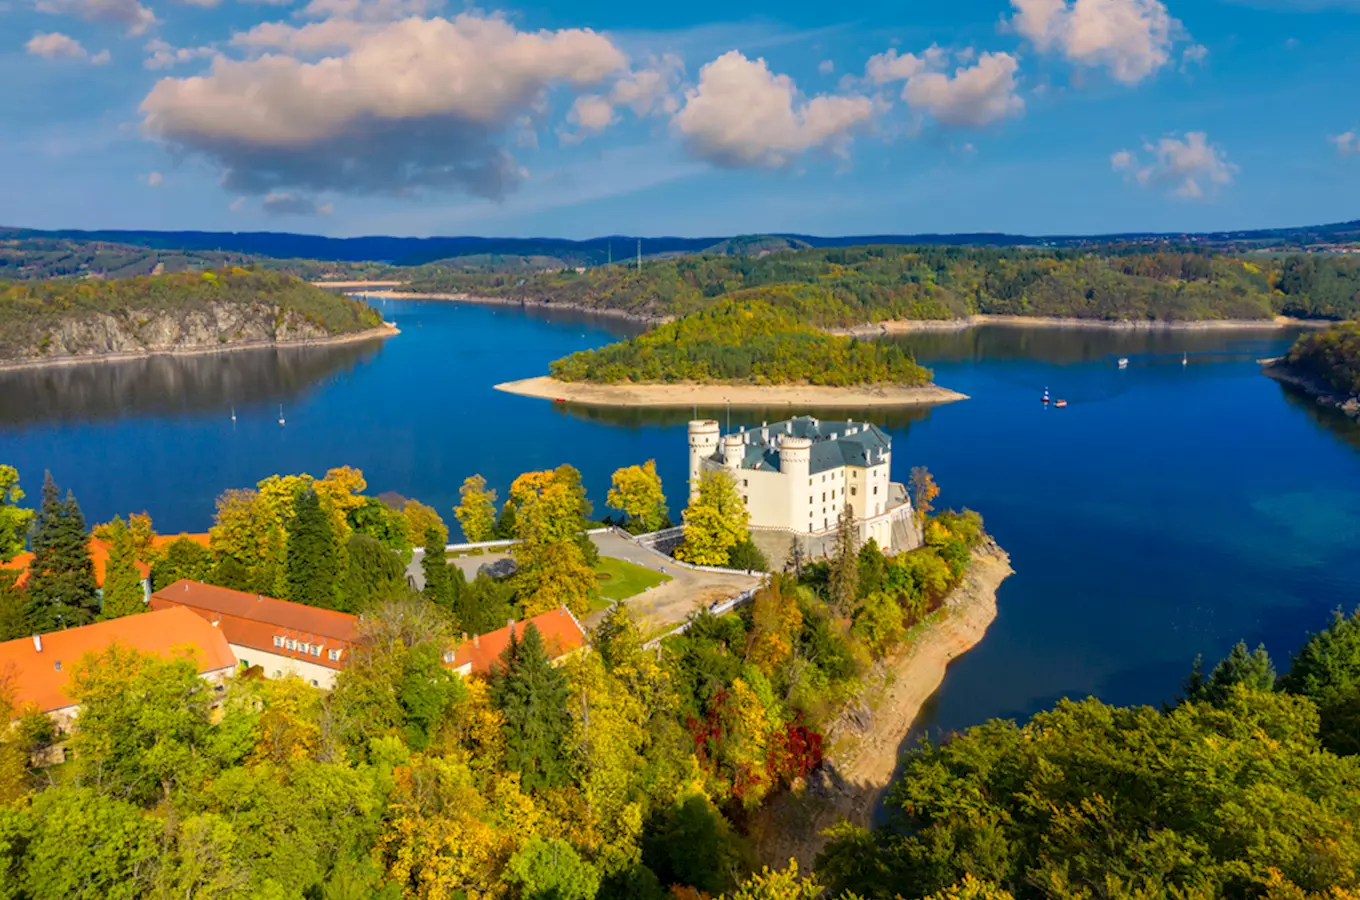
(1326, 365)
(752, 346)
(872, 284)
(60, 320)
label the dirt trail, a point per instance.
(865, 741)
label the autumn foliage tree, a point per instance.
(923, 492)
(636, 492)
(716, 520)
(551, 568)
(476, 510)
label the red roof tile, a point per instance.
(562, 635)
(99, 555)
(40, 677)
(254, 620)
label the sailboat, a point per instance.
(1123, 362)
(280, 413)
(1045, 395)
(233, 415)
(1185, 359)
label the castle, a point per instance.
(796, 476)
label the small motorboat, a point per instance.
(1060, 404)
(1123, 362)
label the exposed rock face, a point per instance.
(204, 328)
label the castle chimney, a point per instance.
(37, 643)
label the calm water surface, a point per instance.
(1169, 510)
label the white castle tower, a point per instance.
(703, 443)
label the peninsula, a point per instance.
(1325, 365)
(744, 350)
(63, 321)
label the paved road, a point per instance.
(665, 605)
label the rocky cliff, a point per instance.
(65, 320)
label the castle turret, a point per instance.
(795, 459)
(734, 449)
(703, 442)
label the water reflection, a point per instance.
(1080, 345)
(1327, 418)
(172, 385)
(665, 417)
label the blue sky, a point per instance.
(417, 117)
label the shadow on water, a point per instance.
(748, 417)
(1326, 418)
(172, 385)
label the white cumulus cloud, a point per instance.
(650, 90)
(54, 45)
(1130, 38)
(164, 56)
(888, 67)
(154, 179)
(1190, 167)
(129, 15)
(1346, 143)
(407, 106)
(742, 114)
(974, 95)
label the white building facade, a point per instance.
(797, 475)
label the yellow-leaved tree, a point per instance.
(716, 520)
(476, 511)
(551, 569)
(636, 492)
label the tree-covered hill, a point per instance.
(876, 283)
(199, 310)
(1332, 355)
(762, 336)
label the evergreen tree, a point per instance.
(505, 523)
(313, 563)
(61, 588)
(873, 568)
(1251, 668)
(532, 697)
(124, 594)
(182, 558)
(439, 586)
(845, 562)
(372, 572)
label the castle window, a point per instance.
(852, 490)
(745, 483)
(823, 496)
(875, 489)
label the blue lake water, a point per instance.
(1169, 510)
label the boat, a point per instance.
(1045, 395)
(1185, 359)
(1060, 404)
(280, 413)
(1123, 362)
(233, 414)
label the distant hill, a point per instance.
(411, 251)
(755, 245)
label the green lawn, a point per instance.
(619, 579)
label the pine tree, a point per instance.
(372, 572)
(1251, 668)
(532, 697)
(313, 565)
(845, 562)
(439, 586)
(123, 591)
(61, 587)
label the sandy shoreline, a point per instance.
(386, 330)
(688, 394)
(911, 326)
(860, 766)
(355, 284)
(523, 304)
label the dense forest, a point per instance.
(761, 336)
(1332, 355)
(60, 317)
(876, 283)
(625, 773)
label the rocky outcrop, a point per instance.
(140, 332)
(1313, 386)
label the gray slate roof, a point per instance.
(832, 447)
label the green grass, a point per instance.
(619, 580)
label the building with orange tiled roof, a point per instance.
(99, 556)
(562, 636)
(37, 669)
(279, 636)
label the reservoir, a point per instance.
(1173, 507)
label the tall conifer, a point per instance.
(123, 593)
(313, 559)
(61, 587)
(532, 697)
(434, 564)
